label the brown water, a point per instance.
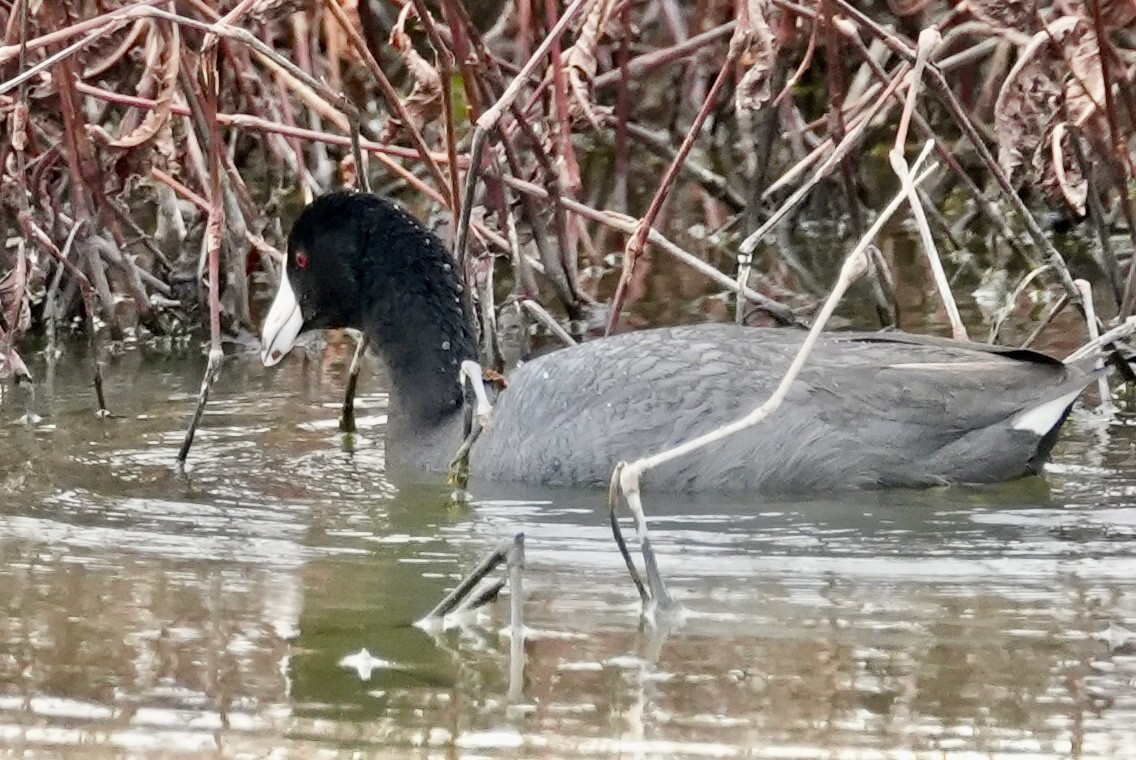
(150, 615)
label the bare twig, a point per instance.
(634, 248)
(851, 139)
(489, 120)
(214, 235)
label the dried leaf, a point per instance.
(1115, 14)
(95, 69)
(17, 316)
(754, 91)
(1084, 91)
(14, 306)
(1030, 99)
(267, 11)
(19, 126)
(165, 150)
(1067, 175)
(1016, 16)
(424, 103)
(158, 116)
(580, 62)
(1055, 93)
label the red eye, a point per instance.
(302, 260)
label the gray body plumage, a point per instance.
(868, 410)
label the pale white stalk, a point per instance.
(928, 41)
(1086, 290)
(628, 474)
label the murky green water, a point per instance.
(144, 614)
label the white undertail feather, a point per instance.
(1042, 418)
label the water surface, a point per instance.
(224, 613)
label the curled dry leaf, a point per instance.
(165, 150)
(1115, 14)
(157, 44)
(95, 69)
(1053, 95)
(1017, 16)
(1067, 175)
(580, 62)
(424, 103)
(14, 308)
(15, 316)
(1084, 89)
(1028, 100)
(753, 91)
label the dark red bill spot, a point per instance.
(301, 260)
(275, 355)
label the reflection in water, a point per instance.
(146, 613)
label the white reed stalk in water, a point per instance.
(627, 474)
(470, 372)
(1117, 333)
(1086, 290)
(929, 39)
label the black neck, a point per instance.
(423, 352)
(419, 321)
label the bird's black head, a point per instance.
(358, 260)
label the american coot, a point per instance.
(869, 409)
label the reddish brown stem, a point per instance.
(650, 61)
(393, 101)
(445, 62)
(635, 245)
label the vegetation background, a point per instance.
(153, 153)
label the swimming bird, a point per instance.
(869, 409)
